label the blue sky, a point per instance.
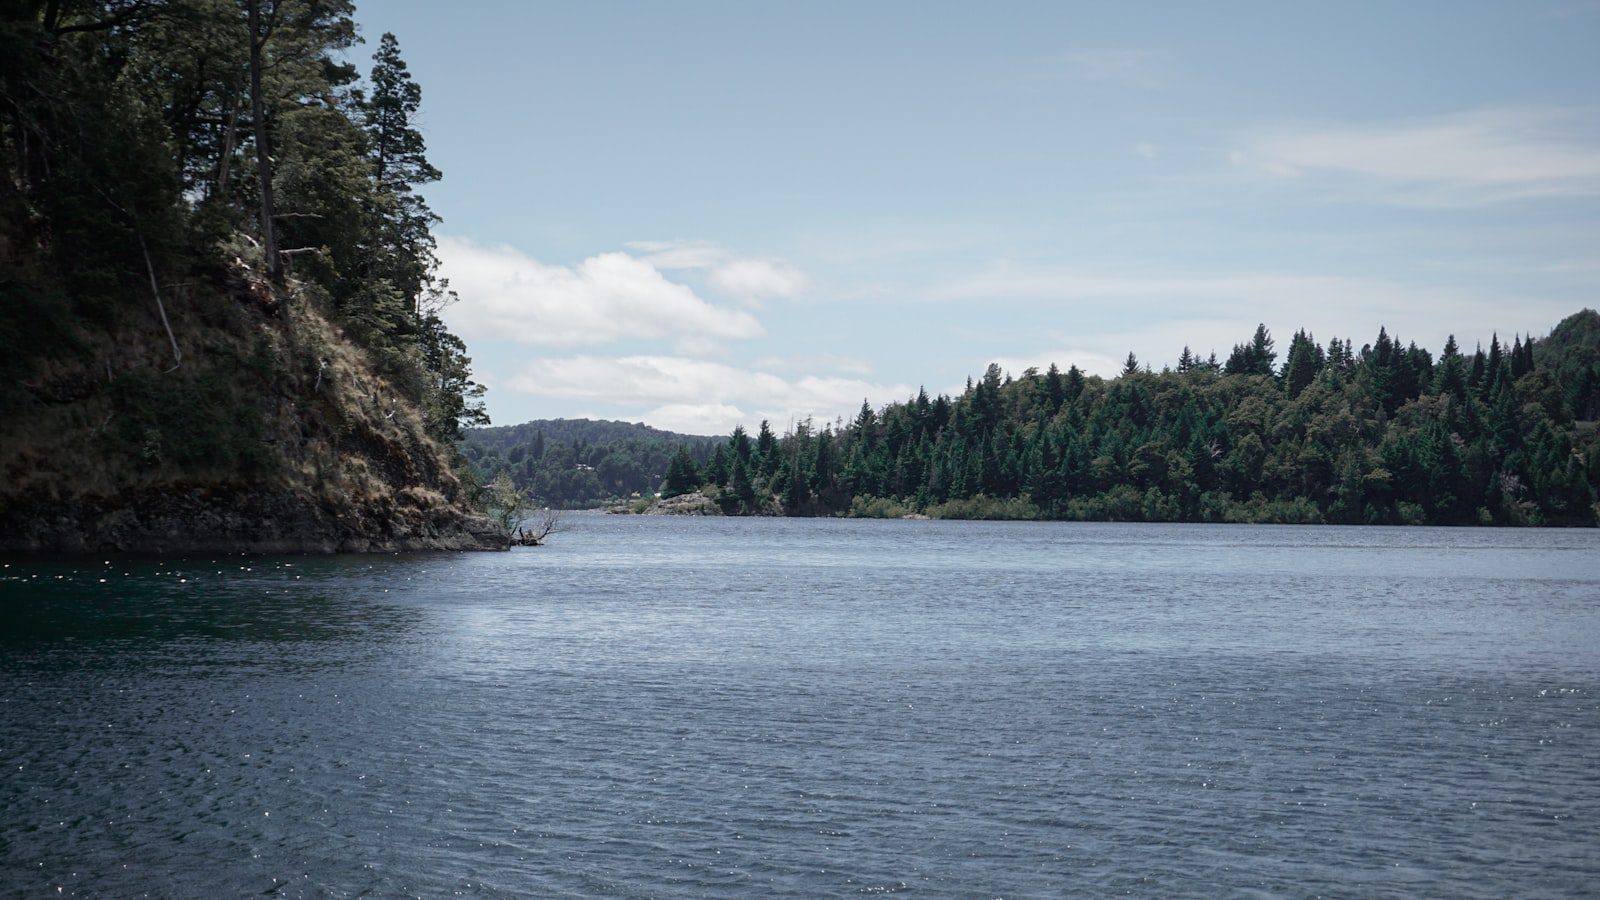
(700, 214)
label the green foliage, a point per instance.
(983, 507)
(570, 463)
(198, 422)
(507, 504)
(1379, 434)
(877, 508)
(683, 475)
(33, 317)
(1571, 354)
(403, 251)
(129, 156)
(1253, 358)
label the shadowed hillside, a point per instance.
(220, 325)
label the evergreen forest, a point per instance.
(1382, 433)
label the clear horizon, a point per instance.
(706, 217)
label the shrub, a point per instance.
(877, 508)
(985, 507)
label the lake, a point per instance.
(657, 707)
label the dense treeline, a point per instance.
(1381, 433)
(502, 439)
(574, 463)
(164, 155)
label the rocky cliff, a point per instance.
(257, 428)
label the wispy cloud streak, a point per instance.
(1466, 159)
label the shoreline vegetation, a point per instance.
(221, 326)
(1383, 433)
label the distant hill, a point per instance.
(578, 431)
(1572, 355)
(580, 462)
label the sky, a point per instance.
(708, 214)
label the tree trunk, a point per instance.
(258, 114)
(228, 137)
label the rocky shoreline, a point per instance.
(691, 504)
(694, 503)
(210, 521)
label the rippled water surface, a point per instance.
(698, 707)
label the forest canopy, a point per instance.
(1382, 433)
(189, 149)
(577, 463)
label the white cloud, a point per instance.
(1468, 158)
(746, 278)
(680, 254)
(753, 279)
(697, 418)
(1146, 150)
(695, 345)
(679, 391)
(507, 295)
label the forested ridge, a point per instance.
(221, 319)
(1383, 433)
(575, 463)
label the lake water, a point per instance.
(653, 707)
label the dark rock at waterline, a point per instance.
(203, 520)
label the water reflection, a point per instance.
(201, 612)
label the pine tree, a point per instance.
(1492, 366)
(453, 401)
(766, 451)
(1055, 390)
(1261, 351)
(1450, 376)
(1378, 368)
(1523, 364)
(404, 253)
(986, 409)
(1254, 358)
(739, 484)
(796, 492)
(716, 468)
(682, 474)
(1074, 383)
(1514, 364)
(1304, 363)
(740, 441)
(822, 474)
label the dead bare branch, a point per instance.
(533, 532)
(177, 354)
